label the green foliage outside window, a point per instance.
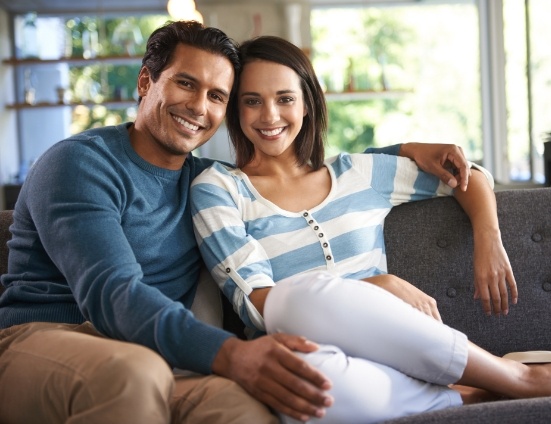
(108, 80)
(413, 70)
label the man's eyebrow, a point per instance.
(184, 75)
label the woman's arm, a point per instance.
(492, 269)
(407, 292)
(236, 260)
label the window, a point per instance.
(528, 81)
(414, 70)
(74, 73)
(473, 73)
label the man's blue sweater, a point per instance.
(100, 234)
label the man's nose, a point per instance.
(197, 103)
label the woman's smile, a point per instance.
(271, 132)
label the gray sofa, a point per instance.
(429, 243)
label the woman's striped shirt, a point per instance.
(248, 242)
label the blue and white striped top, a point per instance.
(248, 242)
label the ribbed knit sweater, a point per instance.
(102, 235)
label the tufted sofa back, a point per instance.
(429, 243)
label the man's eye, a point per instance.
(183, 83)
(217, 97)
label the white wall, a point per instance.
(9, 157)
(243, 19)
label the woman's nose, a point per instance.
(270, 113)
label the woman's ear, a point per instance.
(144, 81)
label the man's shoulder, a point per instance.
(92, 138)
(93, 151)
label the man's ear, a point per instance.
(144, 81)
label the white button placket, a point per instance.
(323, 240)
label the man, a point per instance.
(103, 268)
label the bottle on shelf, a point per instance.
(30, 92)
(30, 49)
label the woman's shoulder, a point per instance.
(218, 173)
(345, 161)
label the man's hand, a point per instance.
(440, 160)
(493, 274)
(407, 292)
(268, 369)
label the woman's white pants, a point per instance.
(385, 358)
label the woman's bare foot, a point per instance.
(540, 377)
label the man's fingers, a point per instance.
(449, 179)
(298, 343)
(302, 372)
(460, 164)
(289, 402)
(484, 295)
(512, 286)
(299, 386)
(500, 304)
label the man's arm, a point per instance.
(492, 269)
(446, 161)
(78, 204)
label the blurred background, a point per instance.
(476, 73)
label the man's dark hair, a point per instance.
(163, 41)
(309, 144)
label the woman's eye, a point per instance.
(286, 99)
(252, 102)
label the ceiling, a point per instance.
(71, 6)
(136, 6)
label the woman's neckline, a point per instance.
(283, 211)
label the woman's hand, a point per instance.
(493, 274)
(407, 292)
(446, 161)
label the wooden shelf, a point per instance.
(106, 103)
(72, 60)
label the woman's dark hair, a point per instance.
(309, 144)
(163, 41)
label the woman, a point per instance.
(296, 244)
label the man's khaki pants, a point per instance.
(61, 373)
